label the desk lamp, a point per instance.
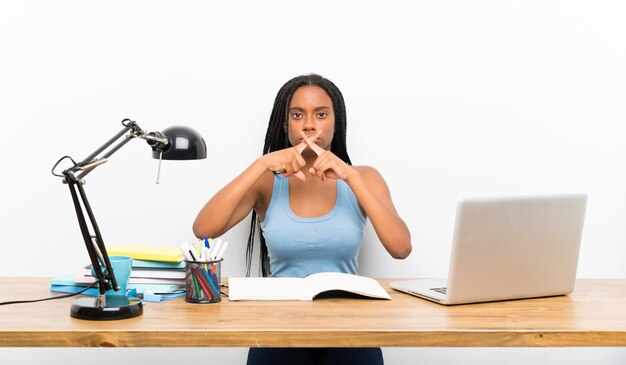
(174, 143)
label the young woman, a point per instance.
(310, 201)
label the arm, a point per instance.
(373, 195)
(231, 204)
(235, 201)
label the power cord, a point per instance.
(50, 298)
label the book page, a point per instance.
(267, 289)
(325, 281)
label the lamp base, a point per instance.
(116, 307)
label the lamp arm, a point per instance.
(98, 255)
(89, 166)
(128, 125)
(97, 250)
(155, 139)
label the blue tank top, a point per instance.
(299, 246)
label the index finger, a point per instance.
(317, 149)
(300, 147)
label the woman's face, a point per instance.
(311, 110)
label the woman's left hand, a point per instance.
(327, 164)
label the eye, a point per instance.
(322, 115)
(296, 115)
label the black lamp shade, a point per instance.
(184, 143)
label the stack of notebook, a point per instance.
(158, 273)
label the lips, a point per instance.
(316, 140)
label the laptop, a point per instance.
(509, 248)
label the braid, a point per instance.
(276, 139)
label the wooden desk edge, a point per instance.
(313, 339)
(610, 336)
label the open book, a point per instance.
(303, 288)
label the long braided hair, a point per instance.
(276, 139)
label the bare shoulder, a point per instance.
(376, 183)
(372, 178)
(369, 173)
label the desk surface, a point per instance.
(593, 315)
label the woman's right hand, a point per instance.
(287, 162)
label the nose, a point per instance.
(309, 124)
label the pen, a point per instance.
(205, 253)
(211, 284)
(184, 247)
(196, 291)
(215, 249)
(191, 254)
(198, 247)
(214, 246)
(205, 250)
(203, 283)
(201, 253)
(220, 254)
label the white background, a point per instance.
(446, 99)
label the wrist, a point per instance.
(260, 164)
(353, 175)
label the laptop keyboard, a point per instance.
(439, 290)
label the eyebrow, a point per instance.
(297, 108)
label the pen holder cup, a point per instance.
(202, 281)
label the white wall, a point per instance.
(445, 98)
